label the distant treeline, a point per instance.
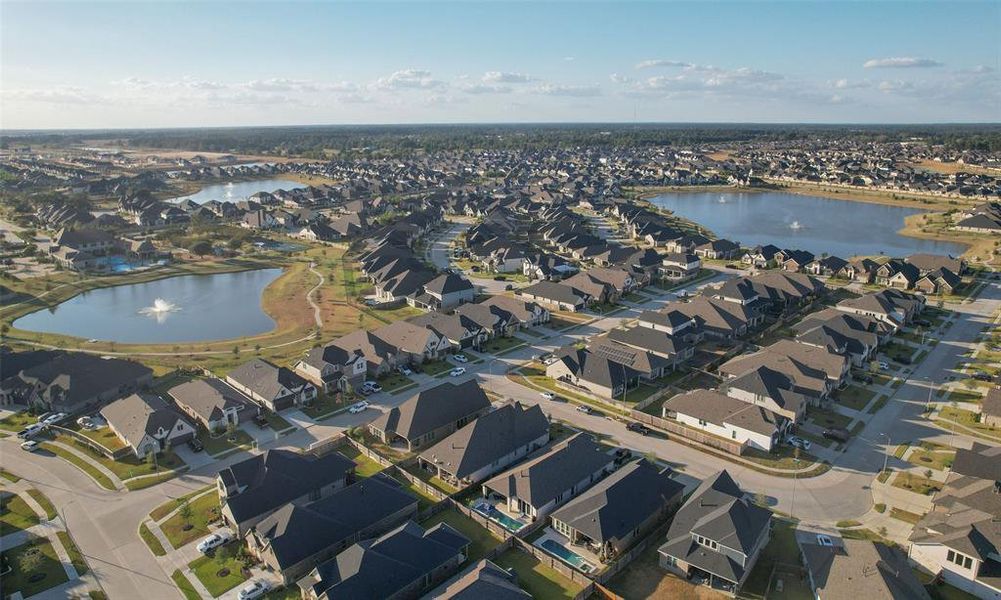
(405, 140)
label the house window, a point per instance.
(702, 422)
(958, 559)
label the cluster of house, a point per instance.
(90, 249)
(983, 218)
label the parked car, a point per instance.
(460, 358)
(638, 428)
(255, 590)
(375, 387)
(884, 366)
(405, 371)
(29, 446)
(508, 287)
(371, 302)
(261, 420)
(85, 422)
(798, 442)
(53, 419)
(864, 378)
(549, 395)
(732, 266)
(838, 434)
(500, 278)
(30, 431)
(214, 541)
(982, 376)
(364, 391)
(196, 445)
(457, 371)
(584, 409)
(358, 407)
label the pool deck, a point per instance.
(501, 508)
(589, 557)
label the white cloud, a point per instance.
(409, 79)
(901, 62)
(576, 91)
(484, 88)
(847, 84)
(504, 77)
(652, 63)
(617, 78)
(57, 95)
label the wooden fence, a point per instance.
(693, 435)
(93, 444)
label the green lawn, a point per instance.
(916, 483)
(76, 557)
(932, 456)
(828, 418)
(44, 502)
(970, 420)
(499, 345)
(167, 507)
(9, 476)
(216, 444)
(424, 499)
(276, 421)
(437, 367)
(782, 548)
(482, 540)
(204, 510)
(961, 395)
(324, 404)
(366, 466)
(639, 393)
(182, 583)
(49, 566)
(394, 382)
(85, 466)
(129, 466)
(287, 593)
(17, 421)
(152, 542)
(207, 569)
(905, 516)
(542, 582)
(103, 436)
(15, 514)
(141, 483)
(781, 457)
(855, 397)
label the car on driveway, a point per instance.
(255, 590)
(30, 431)
(982, 376)
(405, 371)
(53, 419)
(196, 445)
(460, 358)
(798, 442)
(838, 434)
(457, 371)
(638, 428)
(375, 387)
(358, 407)
(213, 541)
(86, 422)
(29, 446)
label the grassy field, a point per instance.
(482, 540)
(218, 576)
(204, 510)
(542, 582)
(15, 514)
(49, 566)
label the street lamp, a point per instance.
(886, 452)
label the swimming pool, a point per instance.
(571, 558)
(122, 264)
(487, 510)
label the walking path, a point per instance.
(309, 295)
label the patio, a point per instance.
(578, 557)
(497, 511)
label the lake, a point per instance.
(839, 227)
(234, 191)
(190, 308)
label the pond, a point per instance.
(190, 308)
(839, 227)
(234, 191)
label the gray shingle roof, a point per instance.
(433, 408)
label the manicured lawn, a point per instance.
(276, 421)
(101, 479)
(828, 418)
(167, 507)
(15, 514)
(961, 395)
(141, 483)
(916, 483)
(207, 569)
(905, 516)
(76, 557)
(323, 405)
(855, 397)
(482, 540)
(968, 419)
(782, 548)
(182, 583)
(499, 345)
(129, 466)
(50, 566)
(287, 593)
(366, 466)
(639, 393)
(17, 421)
(781, 457)
(44, 502)
(104, 436)
(542, 582)
(424, 499)
(204, 510)
(932, 456)
(395, 381)
(437, 367)
(216, 444)
(152, 542)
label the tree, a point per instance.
(186, 512)
(29, 560)
(202, 247)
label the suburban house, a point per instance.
(718, 319)
(147, 423)
(557, 296)
(860, 569)
(676, 350)
(297, 537)
(771, 390)
(750, 425)
(544, 482)
(71, 382)
(274, 388)
(674, 323)
(717, 535)
(459, 330)
(482, 580)
(517, 311)
(443, 292)
(592, 286)
(594, 372)
(959, 539)
(488, 444)
(380, 357)
(431, 415)
(620, 509)
(410, 343)
(894, 307)
(252, 489)
(332, 367)
(213, 403)
(814, 371)
(990, 408)
(403, 563)
(720, 249)
(679, 266)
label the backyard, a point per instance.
(366, 466)
(645, 578)
(781, 552)
(542, 582)
(482, 541)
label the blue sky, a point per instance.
(160, 64)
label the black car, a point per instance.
(638, 428)
(261, 420)
(500, 278)
(196, 445)
(982, 376)
(838, 434)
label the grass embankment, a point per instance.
(96, 474)
(152, 542)
(76, 557)
(44, 502)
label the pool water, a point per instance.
(487, 510)
(572, 558)
(121, 264)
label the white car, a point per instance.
(549, 395)
(30, 431)
(53, 419)
(883, 366)
(214, 541)
(405, 371)
(375, 387)
(359, 407)
(584, 409)
(798, 442)
(461, 358)
(457, 371)
(254, 590)
(29, 446)
(85, 422)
